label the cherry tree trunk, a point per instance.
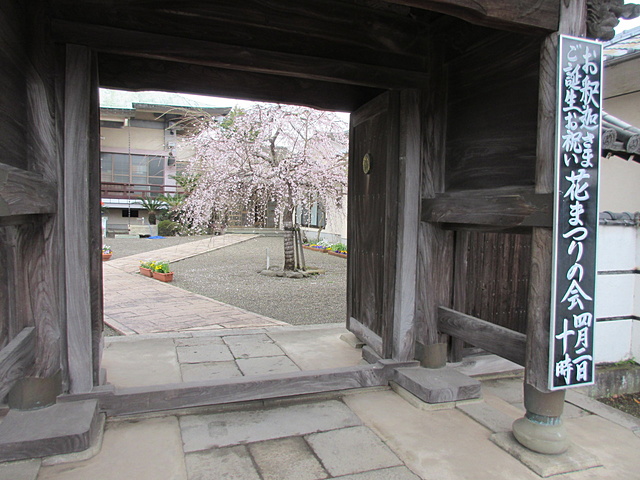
(289, 255)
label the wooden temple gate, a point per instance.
(451, 161)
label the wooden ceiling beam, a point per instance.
(213, 54)
(132, 73)
(532, 16)
(322, 28)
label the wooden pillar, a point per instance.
(408, 224)
(82, 269)
(545, 433)
(435, 245)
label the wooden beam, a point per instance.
(16, 358)
(434, 286)
(365, 334)
(130, 73)
(323, 28)
(77, 164)
(25, 193)
(486, 335)
(128, 401)
(220, 55)
(572, 22)
(539, 16)
(408, 208)
(501, 208)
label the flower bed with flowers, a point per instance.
(338, 249)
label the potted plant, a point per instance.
(146, 269)
(162, 272)
(106, 253)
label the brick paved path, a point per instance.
(134, 304)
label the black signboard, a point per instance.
(571, 361)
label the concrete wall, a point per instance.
(619, 179)
(617, 334)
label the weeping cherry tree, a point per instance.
(292, 156)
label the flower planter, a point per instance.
(106, 256)
(315, 249)
(146, 272)
(337, 254)
(163, 277)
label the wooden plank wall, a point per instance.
(30, 233)
(496, 282)
(13, 102)
(492, 114)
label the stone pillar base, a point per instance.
(549, 438)
(541, 429)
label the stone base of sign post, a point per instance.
(541, 429)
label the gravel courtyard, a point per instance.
(230, 275)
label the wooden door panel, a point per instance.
(370, 280)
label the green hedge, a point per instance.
(167, 228)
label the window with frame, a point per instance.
(146, 171)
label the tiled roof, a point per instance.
(624, 218)
(619, 138)
(624, 44)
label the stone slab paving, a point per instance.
(203, 432)
(363, 435)
(139, 364)
(22, 470)
(197, 372)
(266, 365)
(149, 449)
(287, 459)
(223, 463)
(352, 450)
(144, 360)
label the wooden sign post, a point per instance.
(571, 360)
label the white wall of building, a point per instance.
(617, 333)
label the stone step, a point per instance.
(58, 429)
(437, 385)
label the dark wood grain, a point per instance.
(77, 159)
(435, 246)
(460, 287)
(323, 28)
(408, 225)
(480, 333)
(501, 208)
(496, 278)
(16, 358)
(373, 213)
(168, 397)
(46, 251)
(220, 55)
(13, 102)
(530, 16)
(572, 22)
(129, 73)
(492, 115)
(24, 193)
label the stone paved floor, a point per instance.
(135, 304)
(143, 360)
(366, 434)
